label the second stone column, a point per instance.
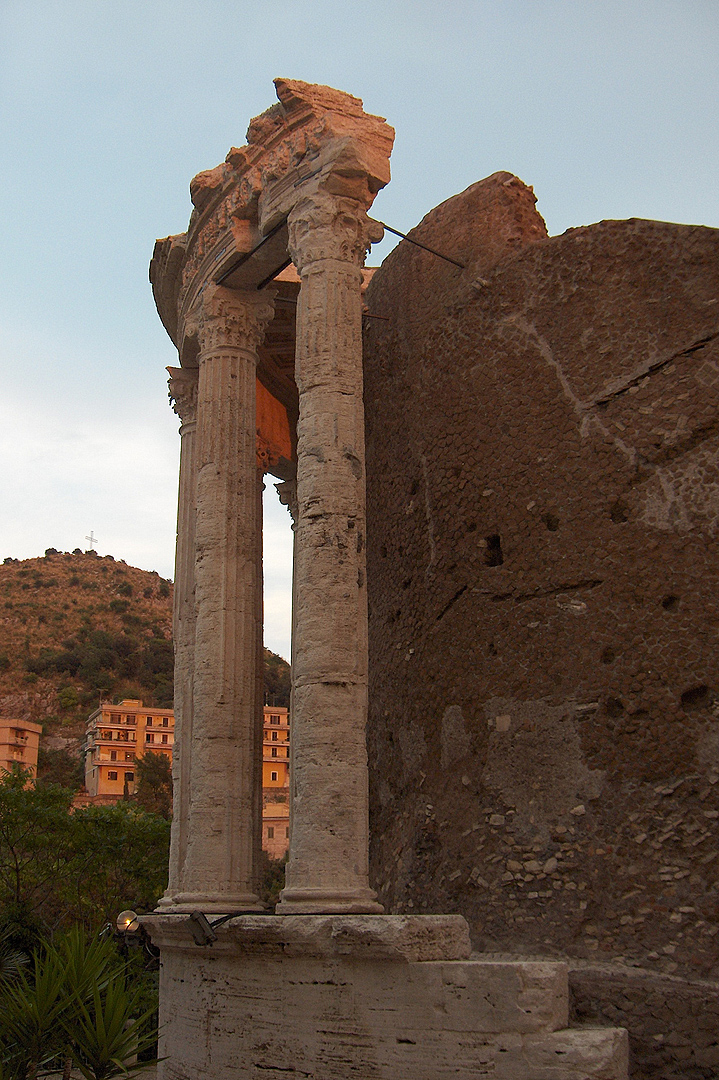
(224, 826)
(328, 863)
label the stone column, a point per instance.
(328, 865)
(258, 804)
(219, 873)
(183, 394)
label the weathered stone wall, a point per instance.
(673, 1022)
(543, 498)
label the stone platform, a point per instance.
(356, 997)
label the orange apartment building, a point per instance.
(19, 741)
(115, 737)
(276, 781)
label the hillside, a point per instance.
(73, 625)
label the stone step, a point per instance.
(347, 999)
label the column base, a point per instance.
(328, 902)
(209, 903)
(391, 997)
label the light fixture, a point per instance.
(127, 922)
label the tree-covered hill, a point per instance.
(76, 625)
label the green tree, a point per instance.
(277, 680)
(39, 856)
(154, 784)
(59, 866)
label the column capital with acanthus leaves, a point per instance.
(323, 226)
(229, 319)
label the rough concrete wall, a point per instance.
(543, 498)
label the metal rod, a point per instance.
(270, 277)
(424, 247)
(248, 254)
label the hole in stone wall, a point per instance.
(415, 488)
(670, 603)
(608, 656)
(383, 551)
(551, 521)
(493, 550)
(695, 698)
(491, 649)
(618, 512)
(406, 583)
(613, 707)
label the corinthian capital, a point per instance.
(182, 386)
(324, 226)
(234, 320)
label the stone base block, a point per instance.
(365, 998)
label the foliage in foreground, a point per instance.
(78, 1006)
(60, 867)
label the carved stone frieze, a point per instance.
(182, 386)
(233, 320)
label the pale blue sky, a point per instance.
(107, 109)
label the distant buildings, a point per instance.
(116, 736)
(276, 781)
(19, 741)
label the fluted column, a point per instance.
(258, 803)
(183, 394)
(219, 872)
(328, 867)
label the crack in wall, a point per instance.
(539, 594)
(451, 602)
(646, 370)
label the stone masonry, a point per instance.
(543, 502)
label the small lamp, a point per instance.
(127, 922)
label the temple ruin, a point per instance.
(270, 379)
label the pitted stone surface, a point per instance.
(542, 567)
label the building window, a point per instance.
(275, 736)
(287, 832)
(149, 736)
(270, 832)
(131, 720)
(274, 751)
(288, 751)
(112, 775)
(273, 776)
(274, 719)
(113, 755)
(129, 777)
(166, 721)
(165, 738)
